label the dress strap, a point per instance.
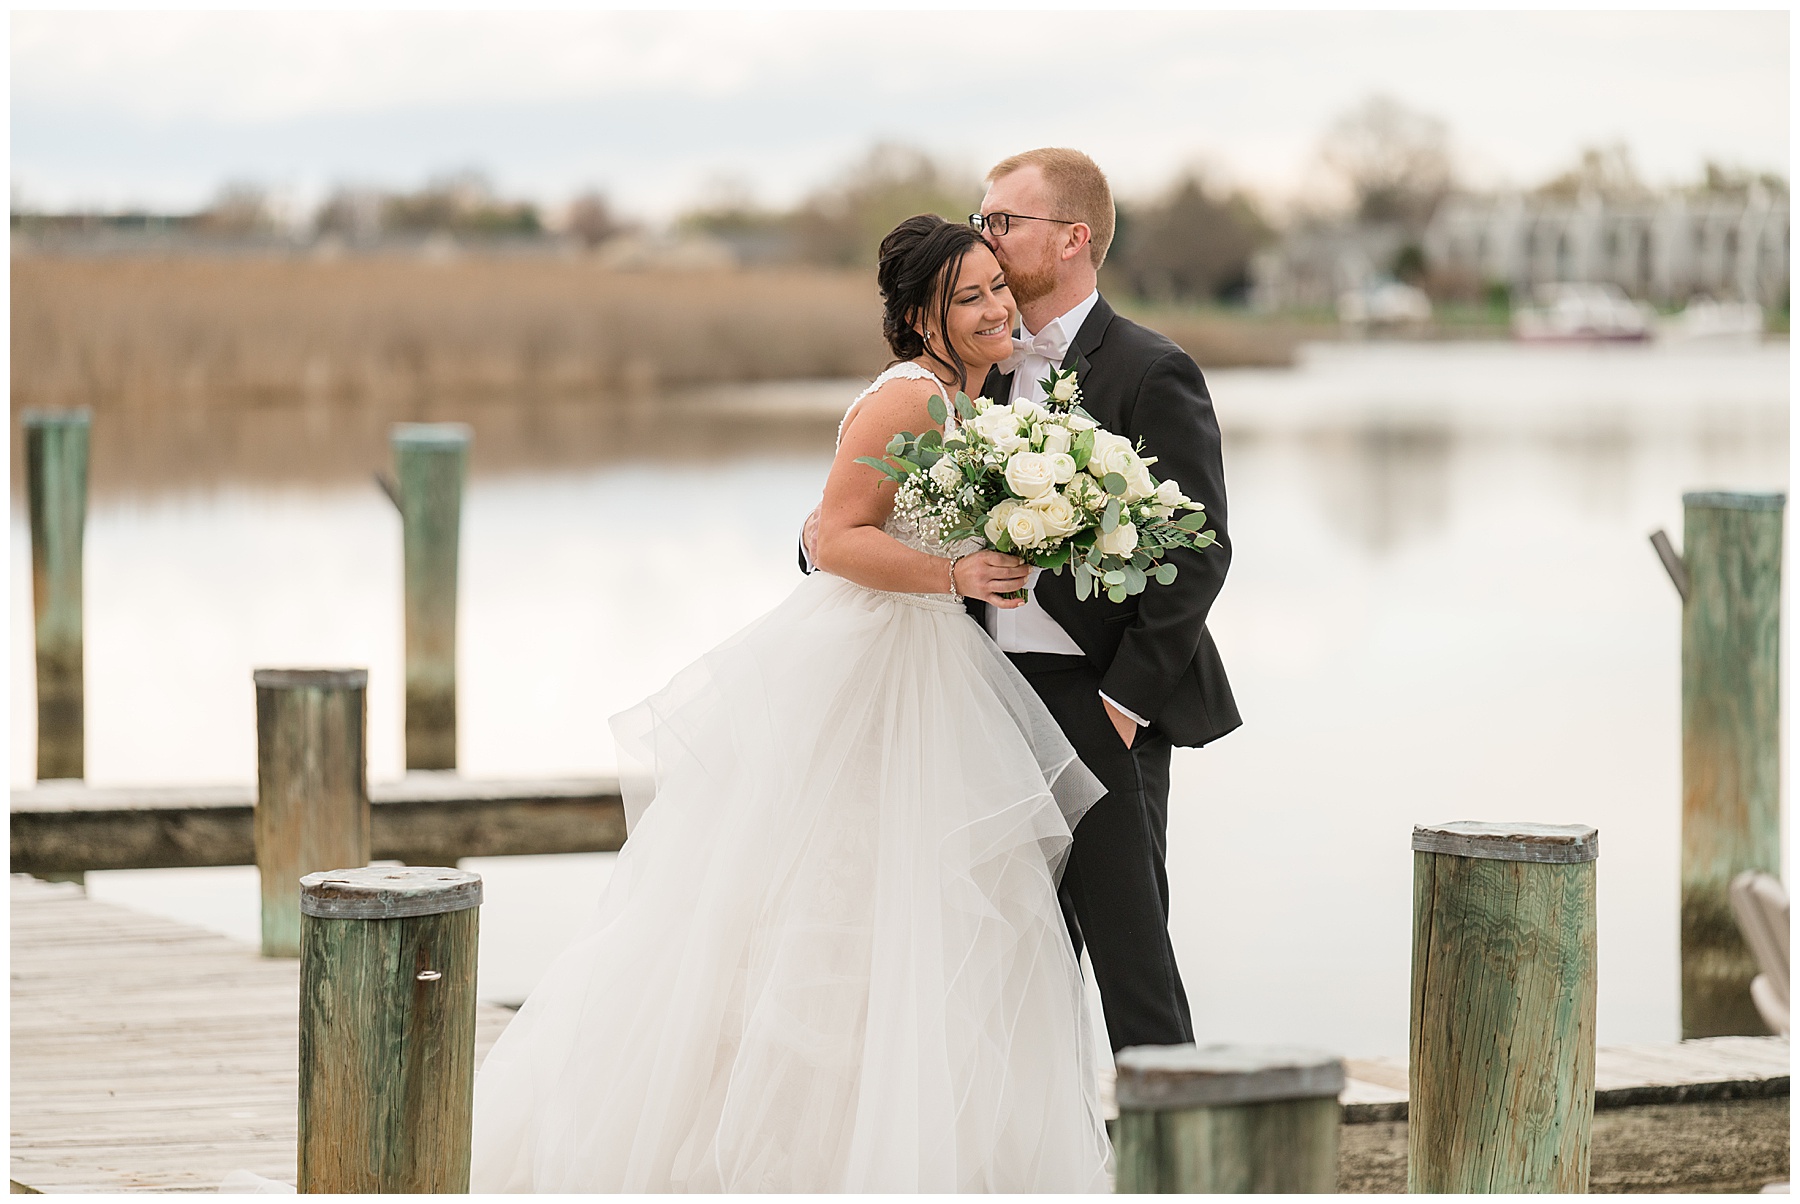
(904, 370)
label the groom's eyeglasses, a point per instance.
(998, 224)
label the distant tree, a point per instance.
(463, 203)
(239, 210)
(1719, 180)
(1605, 171)
(590, 219)
(1188, 245)
(1395, 160)
(843, 223)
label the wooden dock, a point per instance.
(148, 1055)
(151, 1056)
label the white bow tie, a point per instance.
(1046, 343)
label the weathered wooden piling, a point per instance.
(1730, 745)
(1227, 1118)
(387, 1029)
(430, 461)
(1501, 1072)
(312, 787)
(56, 486)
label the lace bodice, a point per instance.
(898, 525)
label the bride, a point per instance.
(831, 957)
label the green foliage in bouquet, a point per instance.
(1048, 484)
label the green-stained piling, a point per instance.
(312, 787)
(56, 484)
(1730, 744)
(431, 462)
(1227, 1118)
(1501, 1070)
(387, 1029)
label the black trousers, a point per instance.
(1115, 890)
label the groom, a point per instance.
(1126, 682)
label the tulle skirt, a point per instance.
(830, 957)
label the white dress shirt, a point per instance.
(1030, 628)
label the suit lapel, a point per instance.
(997, 387)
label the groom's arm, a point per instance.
(1173, 414)
(809, 534)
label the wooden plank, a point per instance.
(423, 819)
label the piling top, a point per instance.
(388, 892)
(314, 679)
(437, 434)
(75, 417)
(1734, 501)
(1509, 842)
(1164, 1078)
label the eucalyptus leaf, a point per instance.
(1141, 561)
(1191, 522)
(937, 409)
(1114, 577)
(1115, 484)
(908, 465)
(1165, 574)
(965, 409)
(1110, 520)
(1134, 578)
(1116, 593)
(932, 439)
(1084, 586)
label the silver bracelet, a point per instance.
(954, 561)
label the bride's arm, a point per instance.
(858, 501)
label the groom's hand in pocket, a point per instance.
(1122, 723)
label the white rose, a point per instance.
(1059, 514)
(1139, 484)
(996, 520)
(1008, 444)
(1057, 438)
(1120, 541)
(1063, 464)
(1065, 389)
(1112, 453)
(946, 474)
(1078, 423)
(1030, 411)
(1030, 474)
(1026, 526)
(1084, 492)
(995, 423)
(1169, 494)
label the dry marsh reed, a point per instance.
(389, 331)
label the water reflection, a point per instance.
(1384, 485)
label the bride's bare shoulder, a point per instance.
(899, 404)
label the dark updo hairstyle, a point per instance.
(920, 260)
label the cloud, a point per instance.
(165, 105)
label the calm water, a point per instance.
(1442, 606)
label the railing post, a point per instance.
(1501, 1071)
(1730, 745)
(56, 484)
(430, 462)
(312, 788)
(1227, 1118)
(387, 1029)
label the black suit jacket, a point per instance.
(1154, 653)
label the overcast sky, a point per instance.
(134, 108)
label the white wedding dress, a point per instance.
(830, 957)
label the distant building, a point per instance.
(1668, 248)
(1317, 262)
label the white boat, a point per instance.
(1582, 313)
(1711, 321)
(1384, 303)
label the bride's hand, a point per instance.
(987, 575)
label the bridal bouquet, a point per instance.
(1047, 484)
